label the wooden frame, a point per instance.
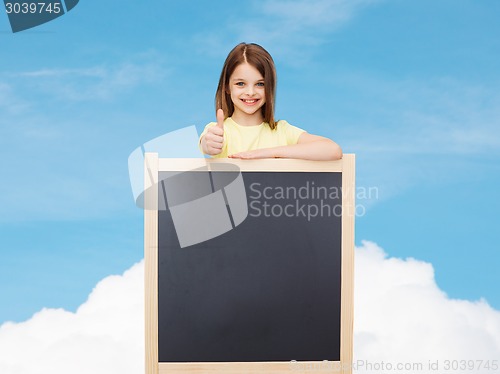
(154, 165)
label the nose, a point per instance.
(250, 90)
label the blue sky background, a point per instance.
(410, 87)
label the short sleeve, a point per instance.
(292, 132)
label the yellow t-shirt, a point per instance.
(239, 138)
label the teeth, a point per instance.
(250, 101)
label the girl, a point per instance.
(245, 126)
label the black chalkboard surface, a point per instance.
(267, 290)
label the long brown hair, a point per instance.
(259, 58)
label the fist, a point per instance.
(213, 140)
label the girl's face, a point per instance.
(246, 86)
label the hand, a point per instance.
(213, 140)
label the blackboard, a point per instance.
(270, 289)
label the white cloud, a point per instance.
(97, 72)
(409, 132)
(437, 116)
(286, 28)
(93, 83)
(60, 120)
(401, 317)
(316, 13)
(103, 81)
(104, 336)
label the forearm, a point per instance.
(322, 150)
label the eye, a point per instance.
(260, 84)
(240, 84)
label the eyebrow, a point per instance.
(241, 79)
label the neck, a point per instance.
(244, 119)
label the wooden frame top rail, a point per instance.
(272, 164)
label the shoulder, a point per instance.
(289, 132)
(283, 125)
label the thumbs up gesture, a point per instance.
(213, 140)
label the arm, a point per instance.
(308, 147)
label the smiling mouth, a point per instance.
(250, 101)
